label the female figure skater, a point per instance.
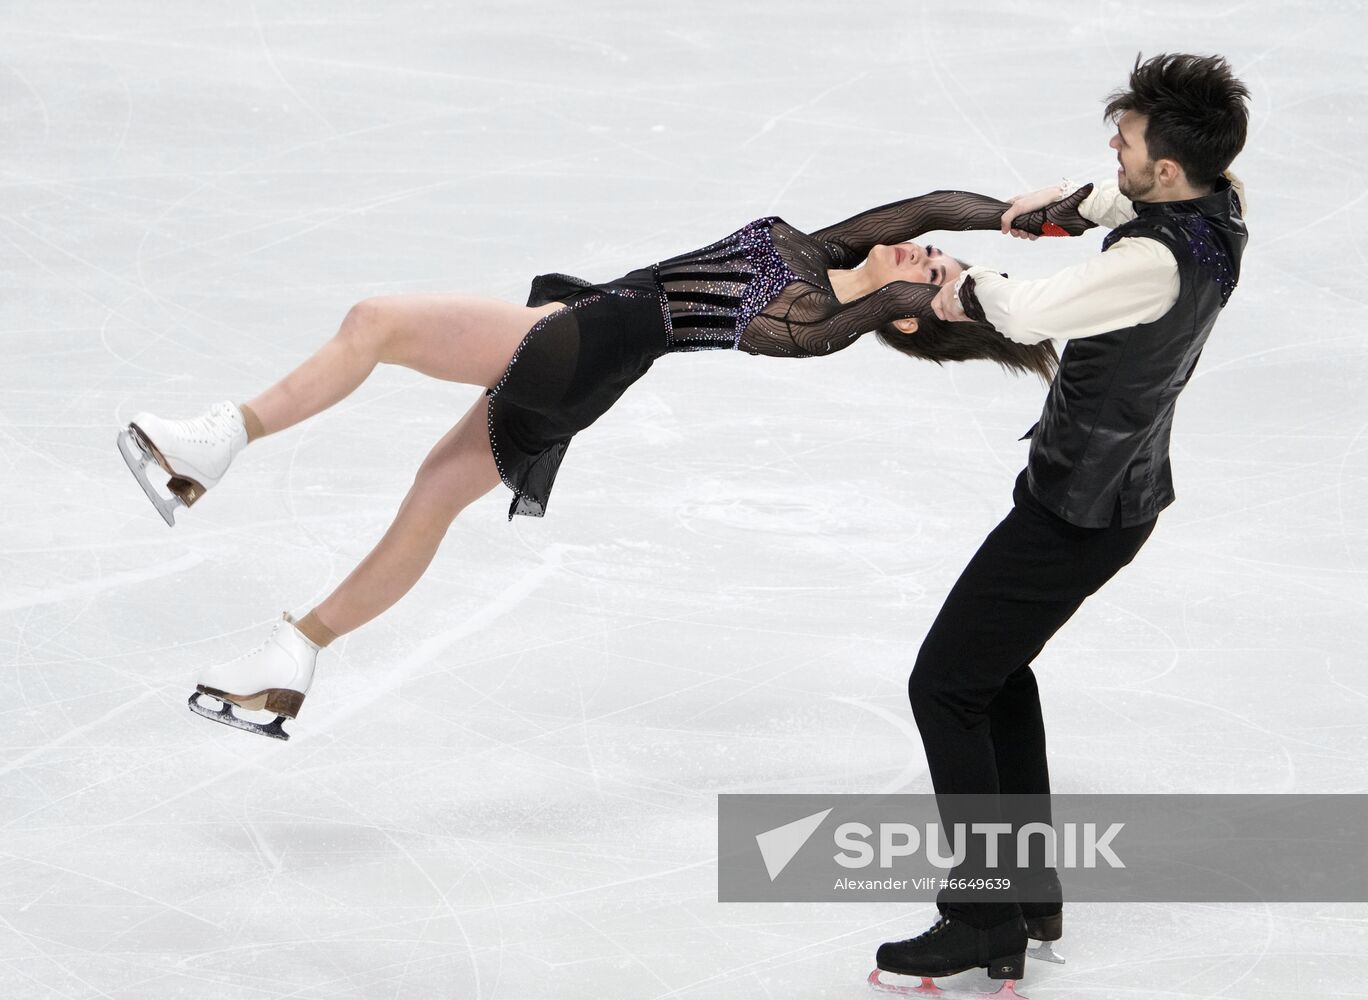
(553, 367)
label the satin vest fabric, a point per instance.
(1101, 448)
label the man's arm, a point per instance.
(1136, 281)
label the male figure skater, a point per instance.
(1135, 318)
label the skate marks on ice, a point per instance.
(256, 754)
(902, 725)
(928, 988)
(492, 609)
(97, 586)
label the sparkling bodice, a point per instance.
(763, 290)
(711, 295)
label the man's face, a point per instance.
(1135, 178)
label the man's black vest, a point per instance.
(1102, 443)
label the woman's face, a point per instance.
(911, 262)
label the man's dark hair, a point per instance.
(939, 341)
(1195, 109)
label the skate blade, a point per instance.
(928, 988)
(1044, 952)
(275, 730)
(137, 454)
(281, 701)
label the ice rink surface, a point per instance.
(506, 787)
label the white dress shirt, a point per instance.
(1134, 282)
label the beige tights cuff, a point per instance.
(253, 422)
(314, 630)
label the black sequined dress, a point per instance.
(764, 290)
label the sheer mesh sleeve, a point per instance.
(1059, 219)
(805, 322)
(849, 242)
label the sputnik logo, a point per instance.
(778, 846)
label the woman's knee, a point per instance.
(448, 486)
(438, 495)
(370, 325)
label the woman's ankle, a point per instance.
(314, 630)
(253, 423)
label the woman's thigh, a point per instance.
(459, 338)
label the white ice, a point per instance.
(506, 787)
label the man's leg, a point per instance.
(1018, 731)
(1024, 781)
(972, 692)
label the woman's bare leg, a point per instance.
(459, 338)
(458, 470)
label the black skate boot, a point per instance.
(951, 946)
(1044, 914)
(1044, 921)
(1042, 908)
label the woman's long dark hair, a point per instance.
(940, 341)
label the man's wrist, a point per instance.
(968, 299)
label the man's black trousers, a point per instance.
(972, 691)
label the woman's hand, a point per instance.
(1045, 213)
(1023, 203)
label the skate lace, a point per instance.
(212, 427)
(266, 643)
(940, 925)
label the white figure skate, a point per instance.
(275, 676)
(195, 453)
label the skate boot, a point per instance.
(950, 947)
(1042, 907)
(275, 676)
(195, 453)
(1043, 913)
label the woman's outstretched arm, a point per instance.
(849, 242)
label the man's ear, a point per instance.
(905, 325)
(1170, 172)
